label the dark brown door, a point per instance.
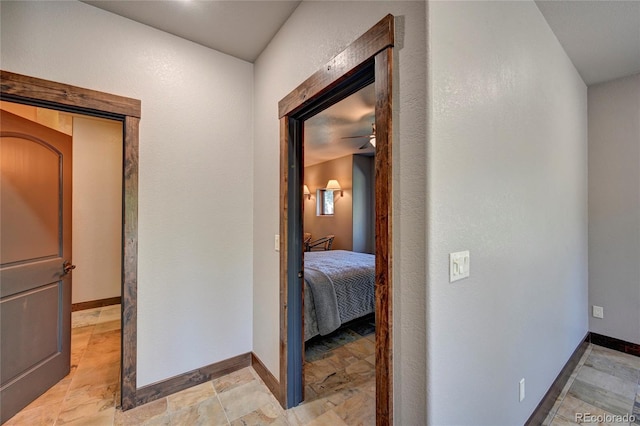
(35, 242)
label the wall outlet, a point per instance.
(598, 311)
(521, 389)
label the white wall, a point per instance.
(507, 180)
(614, 207)
(314, 33)
(97, 209)
(195, 205)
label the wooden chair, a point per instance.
(320, 244)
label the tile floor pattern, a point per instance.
(321, 346)
(605, 383)
(87, 394)
(340, 369)
(340, 387)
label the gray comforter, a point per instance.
(342, 289)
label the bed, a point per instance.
(338, 287)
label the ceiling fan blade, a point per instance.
(355, 137)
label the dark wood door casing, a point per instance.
(331, 83)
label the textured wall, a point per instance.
(97, 208)
(314, 33)
(195, 204)
(507, 180)
(614, 207)
(341, 223)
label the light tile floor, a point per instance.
(339, 378)
(340, 388)
(87, 395)
(605, 383)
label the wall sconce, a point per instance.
(333, 185)
(306, 192)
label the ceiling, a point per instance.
(325, 133)
(601, 37)
(240, 28)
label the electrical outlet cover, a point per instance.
(598, 311)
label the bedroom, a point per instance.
(339, 246)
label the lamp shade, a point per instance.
(333, 185)
(306, 191)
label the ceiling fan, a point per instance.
(372, 138)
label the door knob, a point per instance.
(68, 267)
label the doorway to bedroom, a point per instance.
(338, 212)
(367, 61)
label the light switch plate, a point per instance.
(458, 265)
(277, 243)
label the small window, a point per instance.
(324, 203)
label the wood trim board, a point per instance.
(341, 67)
(130, 264)
(91, 304)
(284, 225)
(383, 208)
(615, 344)
(35, 90)
(266, 376)
(191, 378)
(210, 372)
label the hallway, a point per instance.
(605, 382)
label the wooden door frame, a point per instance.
(48, 94)
(373, 50)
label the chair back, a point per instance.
(306, 239)
(321, 244)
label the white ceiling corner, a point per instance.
(240, 28)
(601, 37)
